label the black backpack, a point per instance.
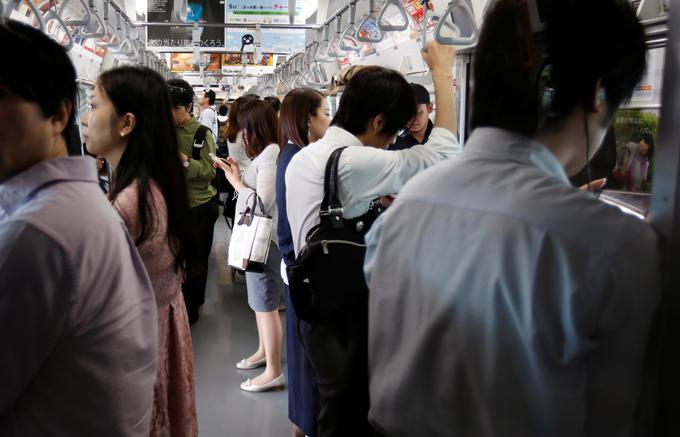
(327, 280)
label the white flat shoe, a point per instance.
(247, 365)
(275, 384)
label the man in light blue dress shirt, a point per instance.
(503, 301)
(78, 326)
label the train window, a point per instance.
(626, 157)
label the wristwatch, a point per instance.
(185, 164)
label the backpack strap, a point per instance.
(331, 205)
(199, 141)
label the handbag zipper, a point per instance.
(324, 244)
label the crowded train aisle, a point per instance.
(223, 335)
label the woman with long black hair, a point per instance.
(131, 125)
(304, 118)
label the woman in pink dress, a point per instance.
(130, 124)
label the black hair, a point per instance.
(223, 110)
(251, 96)
(32, 50)
(648, 138)
(151, 155)
(181, 93)
(373, 91)
(275, 102)
(210, 94)
(608, 46)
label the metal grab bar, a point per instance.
(350, 34)
(54, 15)
(116, 39)
(83, 21)
(391, 27)
(455, 6)
(370, 19)
(12, 5)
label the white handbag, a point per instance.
(250, 238)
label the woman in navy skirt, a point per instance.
(304, 119)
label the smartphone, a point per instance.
(215, 159)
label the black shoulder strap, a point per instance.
(331, 206)
(199, 140)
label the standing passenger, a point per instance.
(260, 128)
(203, 196)
(375, 105)
(419, 129)
(208, 115)
(523, 304)
(77, 315)
(304, 119)
(131, 126)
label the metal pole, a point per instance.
(662, 369)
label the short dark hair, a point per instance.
(297, 106)
(181, 93)
(260, 123)
(609, 46)
(33, 50)
(373, 91)
(210, 94)
(275, 102)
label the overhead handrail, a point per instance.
(334, 49)
(349, 41)
(71, 22)
(13, 4)
(322, 48)
(369, 26)
(463, 20)
(387, 27)
(100, 31)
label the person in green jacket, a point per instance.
(203, 196)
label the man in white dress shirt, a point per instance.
(375, 105)
(208, 115)
(505, 302)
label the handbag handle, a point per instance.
(251, 210)
(331, 205)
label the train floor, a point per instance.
(225, 333)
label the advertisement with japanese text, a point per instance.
(173, 11)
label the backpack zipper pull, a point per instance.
(324, 245)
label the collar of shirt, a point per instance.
(338, 136)
(18, 188)
(191, 123)
(510, 146)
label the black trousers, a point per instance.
(204, 218)
(339, 356)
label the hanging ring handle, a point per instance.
(114, 40)
(100, 32)
(461, 41)
(365, 21)
(53, 15)
(36, 12)
(350, 34)
(389, 27)
(81, 22)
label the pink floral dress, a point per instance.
(174, 412)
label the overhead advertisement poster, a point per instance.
(267, 12)
(184, 62)
(172, 11)
(233, 63)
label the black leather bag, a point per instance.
(327, 280)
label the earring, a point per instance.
(122, 134)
